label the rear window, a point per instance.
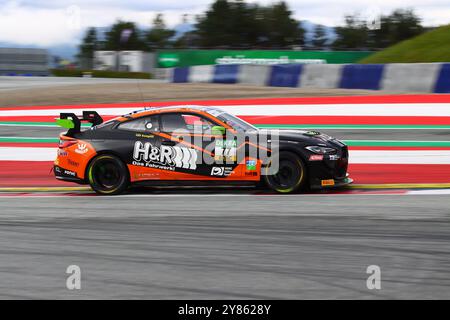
(144, 124)
(172, 122)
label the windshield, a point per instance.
(233, 121)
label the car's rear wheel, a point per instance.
(291, 175)
(108, 175)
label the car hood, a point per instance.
(306, 136)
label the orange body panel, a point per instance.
(240, 173)
(76, 157)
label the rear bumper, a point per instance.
(67, 175)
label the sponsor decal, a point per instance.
(327, 183)
(146, 175)
(70, 173)
(73, 163)
(81, 148)
(146, 136)
(168, 60)
(316, 157)
(312, 133)
(266, 61)
(225, 150)
(251, 165)
(165, 157)
(62, 153)
(221, 171)
(334, 157)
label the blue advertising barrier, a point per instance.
(287, 75)
(424, 77)
(361, 76)
(180, 74)
(226, 73)
(443, 79)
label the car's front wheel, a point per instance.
(291, 175)
(108, 175)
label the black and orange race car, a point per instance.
(194, 145)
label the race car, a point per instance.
(194, 146)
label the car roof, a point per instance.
(207, 111)
(148, 110)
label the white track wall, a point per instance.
(401, 77)
(417, 77)
(321, 76)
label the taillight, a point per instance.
(66, 143)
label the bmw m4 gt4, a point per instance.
(194, 145)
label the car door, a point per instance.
(139, 141)
(190, 134)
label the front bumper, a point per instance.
(330, 183)
(331, 172)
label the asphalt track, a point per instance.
(231, 245)
(213, 247)
(236, 244)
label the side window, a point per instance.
(172, 122)
(144, 124)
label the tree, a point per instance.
(353, 35)
(244, 29)
(400, 25)
(227, 23)
(187, 40)
(124, 36)
(87, 48)
(281, 29)
(320, 37)
(235, 23)
(215, 26)
(159, 36)
(89, 44)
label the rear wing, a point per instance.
(72, 122)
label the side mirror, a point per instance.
(218, 130)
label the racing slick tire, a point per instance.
(291, 176)
(108, 175)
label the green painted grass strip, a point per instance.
(391, 143)
(352, 143)
(28, 140)
(271, 126)
(36, 124)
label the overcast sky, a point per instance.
(62, 22)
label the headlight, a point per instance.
(321, 150)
